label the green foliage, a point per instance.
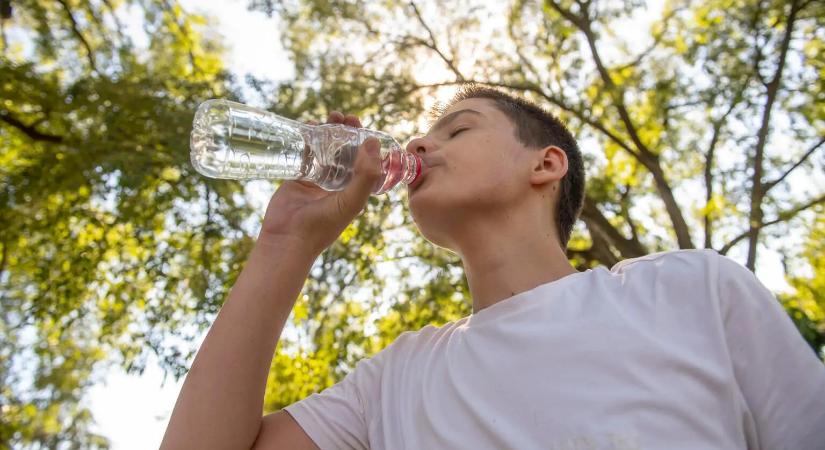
(113, 249)
(807, 306)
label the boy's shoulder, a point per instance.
(671, 260)
(691, 270)
(687, 271)
(684, 262)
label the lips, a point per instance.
(420, 179)
(427, 164)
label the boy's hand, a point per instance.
(303, 215)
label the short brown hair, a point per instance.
(537, 129)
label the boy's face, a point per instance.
(474, 175)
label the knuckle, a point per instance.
(341, 205)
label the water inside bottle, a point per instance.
(234, 141)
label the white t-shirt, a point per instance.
(678, 350)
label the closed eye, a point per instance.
(457, 131)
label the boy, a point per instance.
(676, 350)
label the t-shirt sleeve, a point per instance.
(781, 378)
(338, 416)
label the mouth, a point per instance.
(428, 164)
(425, 167)
(417, 182)
(412, 187)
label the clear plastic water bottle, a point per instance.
(235, 141)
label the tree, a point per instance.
(113, 249)
(112, 246)
(705, 138)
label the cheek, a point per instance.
(478, 180)
(481, 172)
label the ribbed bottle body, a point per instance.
(234, 141)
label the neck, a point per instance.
(503, 257)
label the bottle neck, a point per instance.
(412, 167)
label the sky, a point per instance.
(133, 410)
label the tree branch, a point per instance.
(626, 213)
(185, 33)
(3, 39)
(601, 246)
(511, 31)
(629, 248)
(758, 56)
(29, 130)
(76, 30)
(801, 160)
(3, 258)
(432, 44)
(583, 25)
(207, 229)
(757, 190)
(656, 41)
(579, 114)
(644, 155)
(781, 217)
(709, 158)
(116, 19)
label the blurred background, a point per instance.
(702, 124)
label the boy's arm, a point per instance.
(781, 378)
(220, 403)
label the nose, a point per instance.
(418, 146)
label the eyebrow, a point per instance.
(444, 121)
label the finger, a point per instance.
(335, 117)
(366, 174)
(345, 205)
(352, 121)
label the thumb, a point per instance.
(366, 175)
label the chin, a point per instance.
(435, 238)
(434, 221)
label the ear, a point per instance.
(549, 165)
